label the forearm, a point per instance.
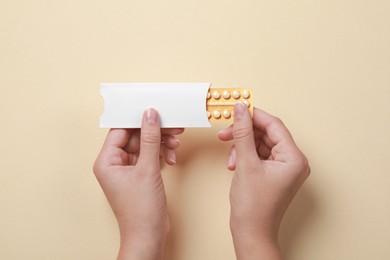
(251, 248)
(147, 248)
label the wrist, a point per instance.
(142, 246)
(255, 239)
(259, 230)
(143, 242)
(248, 245)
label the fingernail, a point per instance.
(230, 161)
(172, 159)
(151, 116)
(239, 110)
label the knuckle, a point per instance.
(276, 124)
(278, 120)
(97, 164)
(97, 168)
(241, 132)
(304, 166)
(308, 171)
(150, 137)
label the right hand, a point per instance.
(269, 170)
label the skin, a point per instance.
(269, 170)
(128, 170)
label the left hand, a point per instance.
(128, 170)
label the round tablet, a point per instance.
(226, 94)
(216, 114)
(208, 95)
(246, 102)
(208, 114)
(226, 114)
(216, 94)
(236, 94)
(246, 94)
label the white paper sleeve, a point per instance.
(178, 104)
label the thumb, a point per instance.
(150, 139)
(243, 134)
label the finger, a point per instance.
(232, 159)
(150, 139)
(272, 126)
(169, 156)
(276, 136)
(133, 145)
(258, 133)
(133, 158)
(263, 145)
(172, 131)
(226, 134)
(117, 137)
(263, 151)
(243, 134)
(170, 141)
(112, 151)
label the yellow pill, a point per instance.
(246, 102)
(208, 114)
(236, 94)
(216, 95)
(208, 95)
(226, 94)
(246, 94)
(216, 114)
(226, 114)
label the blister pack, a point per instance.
(220, 102)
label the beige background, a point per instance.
(322, 66)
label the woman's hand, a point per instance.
(269, 170)
(128, 170)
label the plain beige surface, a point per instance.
(322, 66)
